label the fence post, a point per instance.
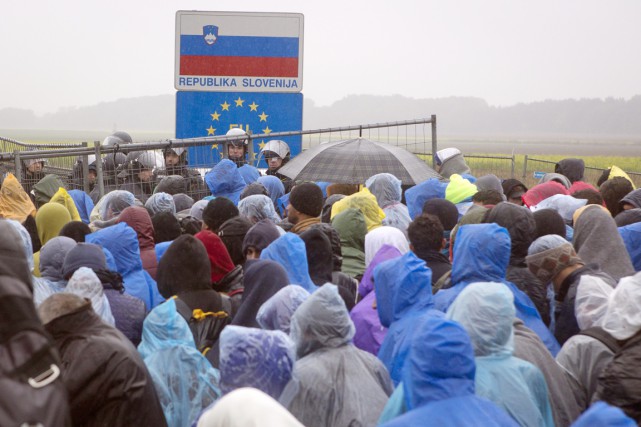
(99, 174)
(434, 144)
(18, 165)
(513, 165)
(524, 166)
(85, 171)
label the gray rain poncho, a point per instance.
(334, 383)
(86, 284)
(111, 205)
(388, 192)
(276, 313)
(160, 202)
(258, 207)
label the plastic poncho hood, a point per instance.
(14, 201)
(481, 254)
(386, 188)
(83, 203)
(160, 202)
(274, 187)
(365, 202)
(351, 228)
(376, 239)
(65, 199)
(50, 219)
(320, 322)
(258, 207)
(591, 303)
(86, 284)
(486, 311)
(255, 358)
(421, 193)
(623, 314)
(276, 313)
(289, 251)
(224, 180)
(112, 204)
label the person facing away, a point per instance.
(486, 311)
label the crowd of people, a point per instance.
(466, 300)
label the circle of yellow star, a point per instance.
(211, 130)
(215, 115)
(263, 117)
(214, 147)
(253, 107)
(239, 102)
(267, 130)
(262, 144)
(225, 106)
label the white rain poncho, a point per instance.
(258, 207)
(276, 313)
(86, 284)
(565, 205)
(185, 381)
(334, 383)
(591, 301)
(388, 192)
(257, 358)
(623, 316)
(486, 311)
(111, 205)
(375, 239)
(247, 407)
(160, 202)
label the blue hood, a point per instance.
(440, 364)
(403, 285)
(601, 415)
(289, 251)
(274, 187)
(481, 254)
(224, 180)
(83, 203)
(421, 193)
(122, 241)
(249, 173)
(631, 235)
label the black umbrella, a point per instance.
(354, 160)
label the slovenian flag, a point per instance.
(243, 46)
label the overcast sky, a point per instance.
(64, 53)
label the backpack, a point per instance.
(31, 383)
(605, 338)
(205, 326)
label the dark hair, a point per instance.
(218, 211)
(613, 190)
(487, 197)
(166, 227)
(426, 232)
(30, 225)
(604, 177)
(592, 196)
(76, 230)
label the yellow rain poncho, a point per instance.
(14, 201)
(365, 202)
(50, 219)
(63, 198)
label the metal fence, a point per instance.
(70, 161)
(533, 169)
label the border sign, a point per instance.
(201, 114)
(239, 51)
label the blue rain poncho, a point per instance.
(482, 254)
(111, 205)
(631, 235)
(160, 202)
(224, 180)
(334, 383)
(122, 241)
(258, 207)
(486, 311)
(83, 203)
(274, 187)
(255, 358)
(86, 284)
(388, 192)
(185, 381)
(403, 292)
(249, 173)
(289, 251)
(421, 193)
(276, 313)
(438, 380)
(603, 415)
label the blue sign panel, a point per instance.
(201, 114)
(538, 175)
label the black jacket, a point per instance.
(436, 261)
(107, 380)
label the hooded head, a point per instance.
(375, 239)
(486, 311)
(519, 223)
(253, 189)
(232, 233)
(632, 200)
(224, 180)
(549, 221)
(386, 188)
(182, 202)
(627, 217)
(440, 364)
(84, 204)
(16, 256)
(219, 258)
(614, 191)
(112, 204)
(563, 204)
(276, 313)
(160, 202)
(15, 203)
(184, 267)
(403, 286)
(350, 225)
(52, 257)
(622, 317)
(197, 209)
(557, 177)
(50, 219)
(258, 207)
(218, 211)
(319, 256)
(326, 213)
(514, 190)
(83, 255)
(86, 284)
(322, 321)
(459, 189)
(290, 252)
(490, 182)
(172, 184)
(166, 227)
(481, 253)
(138, 218)
(540, 192)
(274, 186)
(260, 235)
(444, 210)
(573, 169)
(365, 202)
(255, 358)
(591, 303)
(549, 255)
(418, 195)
